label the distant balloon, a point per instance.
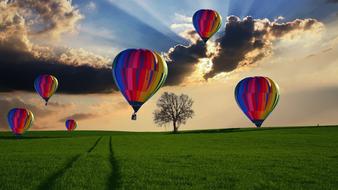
(20, 120)
(71, 125)
(139, 74)
(206, 23)
(46, 85)
(257, 97)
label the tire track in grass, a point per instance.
(90, 171)
(50, 181)
(115, 176)
(95, 144)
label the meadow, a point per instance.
(265, 158)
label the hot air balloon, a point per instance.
(20, 120)
(139, 74)
(71, 125)
(46, 85)
(206, 23)
(257, 97)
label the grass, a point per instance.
(267, 158)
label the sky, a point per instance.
(295, 43)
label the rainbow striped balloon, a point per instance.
(45, 86)
(20, 120)
(206, 22)
(71, 124)
(257, 97)
(139, 74)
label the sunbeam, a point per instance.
(145, 13)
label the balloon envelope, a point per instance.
(20, 120)
(71, 124)
(206, 23)
(45, 86)
(257, 97)
(139, 74)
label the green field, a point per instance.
(266, 158)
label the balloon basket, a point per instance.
(133, 117)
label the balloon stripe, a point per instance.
(10, 115)
(140, 73)
(268, 97)
(246, 103)
(125, 81)
(208, 27)
(212, 24)
(16, 120)
(42, 86)
(163, 70)
(150, 78)
(22, 119)
(204, 27)
(29, 119)
(46, 87)
(49, 85)
(258, 100)
(209, 24)
(145, 82)
(128, 60)
(203, 18)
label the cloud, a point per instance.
(26, 19)
(181, 23)
(99, 110)
(182, 61)
(247, 41)
(182, 18)
(13, 30)
(79, 116)
(81, 79)
(50, 17)
(80, 56)
(244, 42)
(21, 60)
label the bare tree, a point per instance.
(173, 109)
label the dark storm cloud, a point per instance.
(72, 79)
(183, 61)
(236, 42)
(247, 41)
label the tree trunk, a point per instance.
(175, 127)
